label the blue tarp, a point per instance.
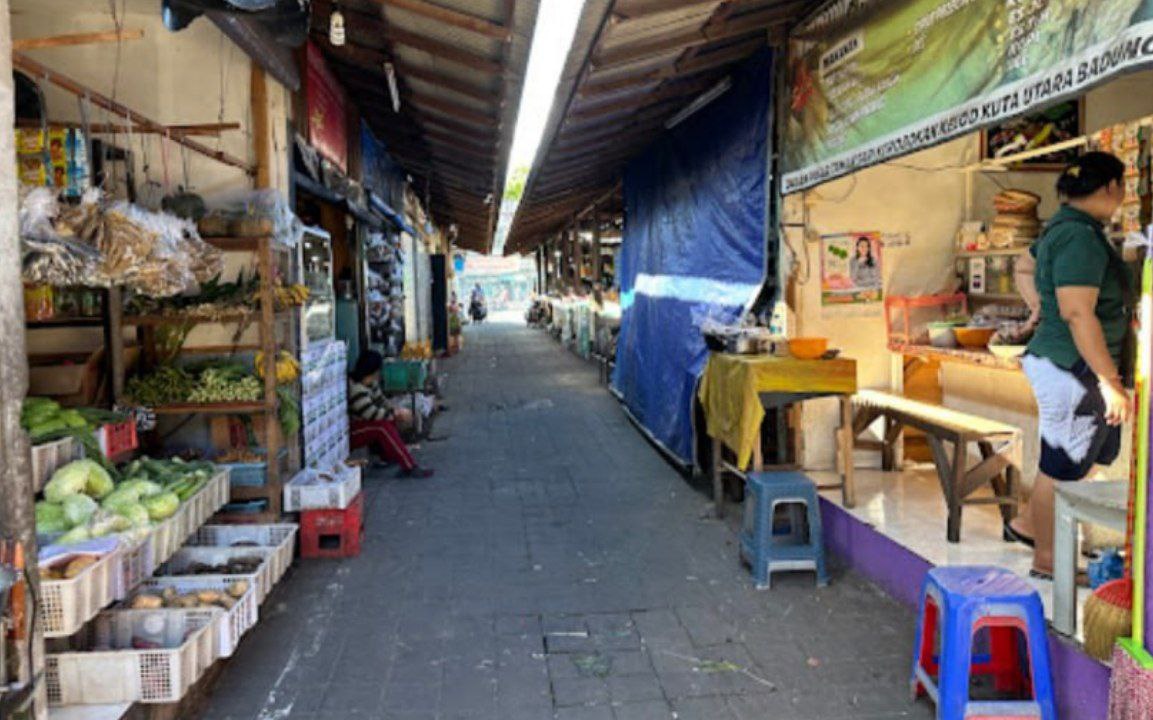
(694, 247)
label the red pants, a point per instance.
(382, 437)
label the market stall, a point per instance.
(901, 246)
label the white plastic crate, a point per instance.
(260, 578)
(49, 457)
(92, 672)
(137, 563)
(280, 537)
(65, 605)
(307, 492)
(236, 621)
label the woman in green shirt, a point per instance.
(1073, 362)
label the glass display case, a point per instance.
(319, 313)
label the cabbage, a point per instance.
(109, 525)
(136, 513)
(73, 536)
(50, 518)
(78, 476)
(140, 487)
(121, 497)
(78, 509)
(162, 506)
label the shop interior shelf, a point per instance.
(982, 358)
(243, 244)
(993, 252)
(65, 322)
(214, 408)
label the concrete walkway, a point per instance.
(557, 567)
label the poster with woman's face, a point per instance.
(851, 268)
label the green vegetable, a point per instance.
(141, 487)
(136, 514)
(121, 497)
(78, 476)
(75, 535)
(109, 525)
(50, 518)
(78, 509)
(162, 506)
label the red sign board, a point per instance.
(325, 103)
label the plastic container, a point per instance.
(180, 565)
(403, 375)
(117, 439)
(66, 605)
(236, 621)
(280, 537)
(307, 492)
(332, 533)
(95, 671)
(48, 457)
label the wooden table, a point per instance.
(1096, 503)
(736, 390)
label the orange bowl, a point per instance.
(809, 348)
(974, 338)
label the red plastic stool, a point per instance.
(332, 533)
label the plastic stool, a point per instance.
(960, 601)
(332, 533)
(760, 548)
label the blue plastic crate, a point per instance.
(247, 474)
(403, 375)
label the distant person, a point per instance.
(373, 420)
(477, 309)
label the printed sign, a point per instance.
(851, 268)
(871, 80)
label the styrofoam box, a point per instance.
(66, 605)
(236, 622)
(300, 494)
(281, 537)
(91, 674)
(260, 578)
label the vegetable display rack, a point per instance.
(267, 254)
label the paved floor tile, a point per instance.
(557, 568)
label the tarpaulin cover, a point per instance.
(694, 248)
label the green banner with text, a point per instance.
(870, 80)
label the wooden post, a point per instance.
(114, 341)
(598, 259)
(565, 253)
(268, 345)
(261, 136)
(17, 517)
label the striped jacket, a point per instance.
(367, 402)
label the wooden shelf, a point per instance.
(244, 244)
(998, 297)
(213, 408)
(980, 358)
(254, 492)
(65, 322)
(220, 319)
(994, 252)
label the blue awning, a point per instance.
(386, 210)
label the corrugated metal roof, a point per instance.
(460, 65)
(633, 65)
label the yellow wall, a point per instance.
(922, 209)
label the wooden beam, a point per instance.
(745, 24)
(680, 68)
(635, 100)
(632, 9)
(76, 39)
(261, 129)
(465, 21)
(204, 129)
(453, 111)
(35, 69)
(372, 60)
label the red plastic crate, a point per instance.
(117, 439)
(332, 533)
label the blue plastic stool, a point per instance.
(764, 551)
(961, 600)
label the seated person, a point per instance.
(372, 418)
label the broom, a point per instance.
(1109, 610)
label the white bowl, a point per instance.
(1008, 352)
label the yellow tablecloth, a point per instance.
(732, 384)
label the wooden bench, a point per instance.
(998, 447)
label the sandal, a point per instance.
(1011, 535)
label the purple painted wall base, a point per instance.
(1082, 683)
